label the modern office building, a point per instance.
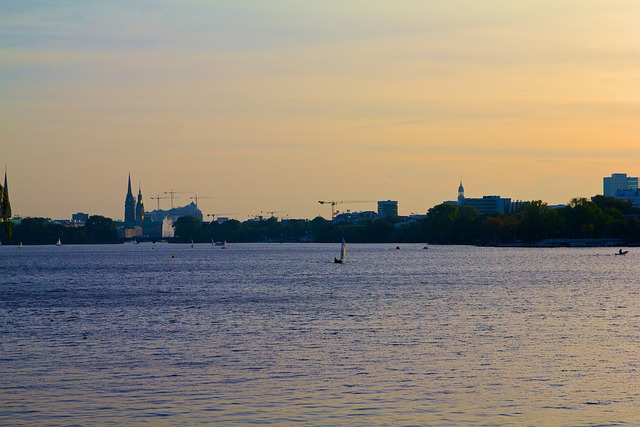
(79, 217)
(486, 205)
(387, 208)
(619, 182)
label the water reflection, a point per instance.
(278, 334)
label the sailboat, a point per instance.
(58, 243)
(20, 245)
(224, 245)
(343, 253)
(191, 242)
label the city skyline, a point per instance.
(272, 107)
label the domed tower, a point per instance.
(460, 192)
(129, 208)
(139, 208)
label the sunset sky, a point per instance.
(274, 105)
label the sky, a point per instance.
(260, 106)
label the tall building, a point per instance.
(619, 182)
(129, 208)
(387, 208)
(139, 207)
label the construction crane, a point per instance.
(171, 194)
(275, 212)
(201, 197)
(214, 215)
(333, 204)
(158, 197)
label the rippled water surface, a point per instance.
(277, 334)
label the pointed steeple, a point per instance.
(7, 205)
(129, 191)
(139, 207)
(129, 208)
(460, 192)
(5, 208)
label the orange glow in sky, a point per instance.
(272, 106)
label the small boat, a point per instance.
(191, 242)
(343, 253)
(224, 245)
(58, 243)
(621, 252)
(212, 241)
(20, 245)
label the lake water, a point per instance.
(277, 334)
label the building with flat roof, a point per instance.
(387, 208)
(486, 205)
(618, 182)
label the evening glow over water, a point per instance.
(272, 106)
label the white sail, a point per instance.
(343, 250)
(58, 243)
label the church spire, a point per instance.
(139, 207)
(129, 193)
(129, 208)
(460, 192)
(5, 208)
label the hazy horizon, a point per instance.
(273, 106)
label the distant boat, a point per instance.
(220, 243)
(58, 243)
(212, 241)
(621, 252)
(224, 245)
(343, 253)
(191, 242)
(20, 245)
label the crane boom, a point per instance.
(333, 204)
(196, 197)
(158, 197)
(171, 193)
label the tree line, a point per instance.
(530, 222)
(41, 231)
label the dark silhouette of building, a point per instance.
(139, 208)
(129, 208)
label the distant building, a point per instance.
(139, 208)
(619, 182)
(486, 205)
(174, 213)
(387, 208)
(355, 217)
(129, 208)
(632, 196)
(80, 217)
